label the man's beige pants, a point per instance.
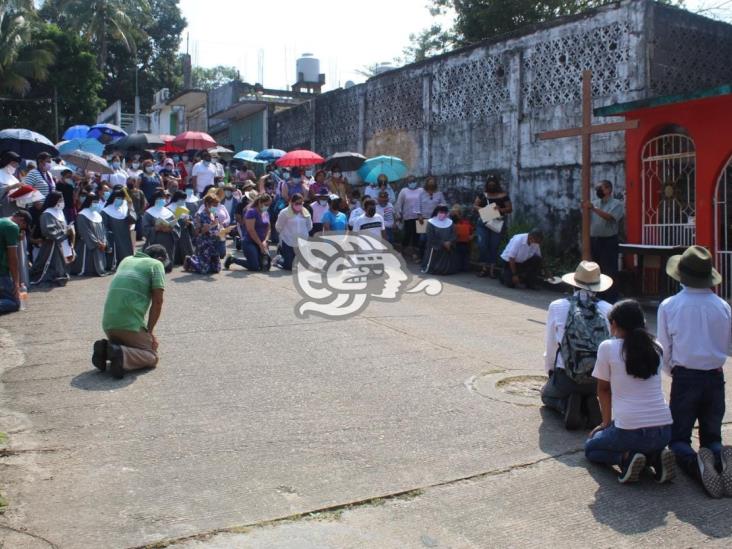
(136, 348)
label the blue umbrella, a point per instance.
(392, 167)
(25, 143)
(106, 133)
(249, 156)
(269, 155)
(86, 144)
(76, 132)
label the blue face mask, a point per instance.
(189, 193)
(412, 185)
(106, 195)
(160, 203)
(118, 202)
(96, 206)
(213, 209)
(116, 165)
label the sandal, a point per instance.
(484, 272)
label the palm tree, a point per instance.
(100, 20)
(19, 61)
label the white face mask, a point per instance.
(60, 206)
(11, 168)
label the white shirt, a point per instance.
(119, 177)
(694, 329)
(355, 214)
(519, 249)
(291, 227)
(555, 323)
(372, 192)
(637, 403)
(219, 169)
(204, 176)
(372, 226)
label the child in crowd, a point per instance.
(464, 231)
(385, 208)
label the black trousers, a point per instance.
(604, 250)
(410, 238)
(528, 272)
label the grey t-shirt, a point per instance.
(601, 227)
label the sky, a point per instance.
(345, 35)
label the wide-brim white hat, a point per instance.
(588, 277)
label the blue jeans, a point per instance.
(389, 234)
(288, 256)
(250, 260)
(696, 395)
(221, 248)
(609, 445)
(488, 243)
(8, 302)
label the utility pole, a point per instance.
(135, 126)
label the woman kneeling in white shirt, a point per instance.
(636, 421)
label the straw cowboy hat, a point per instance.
(694, 268)
(248, 184)
(588, 277)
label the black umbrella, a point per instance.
(26, 143)
(139, 142)
(346, 161)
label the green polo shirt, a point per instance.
(9, 233)
(130, 292)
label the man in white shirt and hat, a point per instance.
(571, 391)
(694, 328)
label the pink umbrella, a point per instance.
(300, 158)
(193, 140)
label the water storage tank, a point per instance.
(383, 67)
(308, 69)
(350, 84)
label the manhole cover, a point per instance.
(520, 387)
(528, 386)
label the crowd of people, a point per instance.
(605, 369)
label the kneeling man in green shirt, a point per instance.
(137, 286)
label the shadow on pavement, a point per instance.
(641, 507)
(94, 380)
(190, 277)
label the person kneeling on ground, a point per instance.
(636, 421)
(522, 260)
(137, 286)
(575, 327)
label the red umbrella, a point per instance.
(194, 140)
(169, 147)
(300, 158)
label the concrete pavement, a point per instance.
(254, 416)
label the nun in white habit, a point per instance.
(118, 216)
(51, 263)
(159, 226)
(91, 240)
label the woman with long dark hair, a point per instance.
(636, 421)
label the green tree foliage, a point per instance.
(477, 20)
(211, 78)
(431, 41)
(19, 64)
(74, 78)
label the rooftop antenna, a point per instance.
(260, 67)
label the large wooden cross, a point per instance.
(586, 132)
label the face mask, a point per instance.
(149, 169)
(160, 203)
(599, 193)
(176, 158)
(106, 195)
(441, 216)
(116, 165)
(69, 181)
(96, 206)
(60, 206)
(263, 208)
(227, 194)
(135, 165)
(220, 184)
(370, 211)
(412, 185)
(322, 202)
(185, 159)
(189, 193)
(213, 209)
(297, 208)
(118, 202)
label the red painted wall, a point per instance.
(709, 123)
